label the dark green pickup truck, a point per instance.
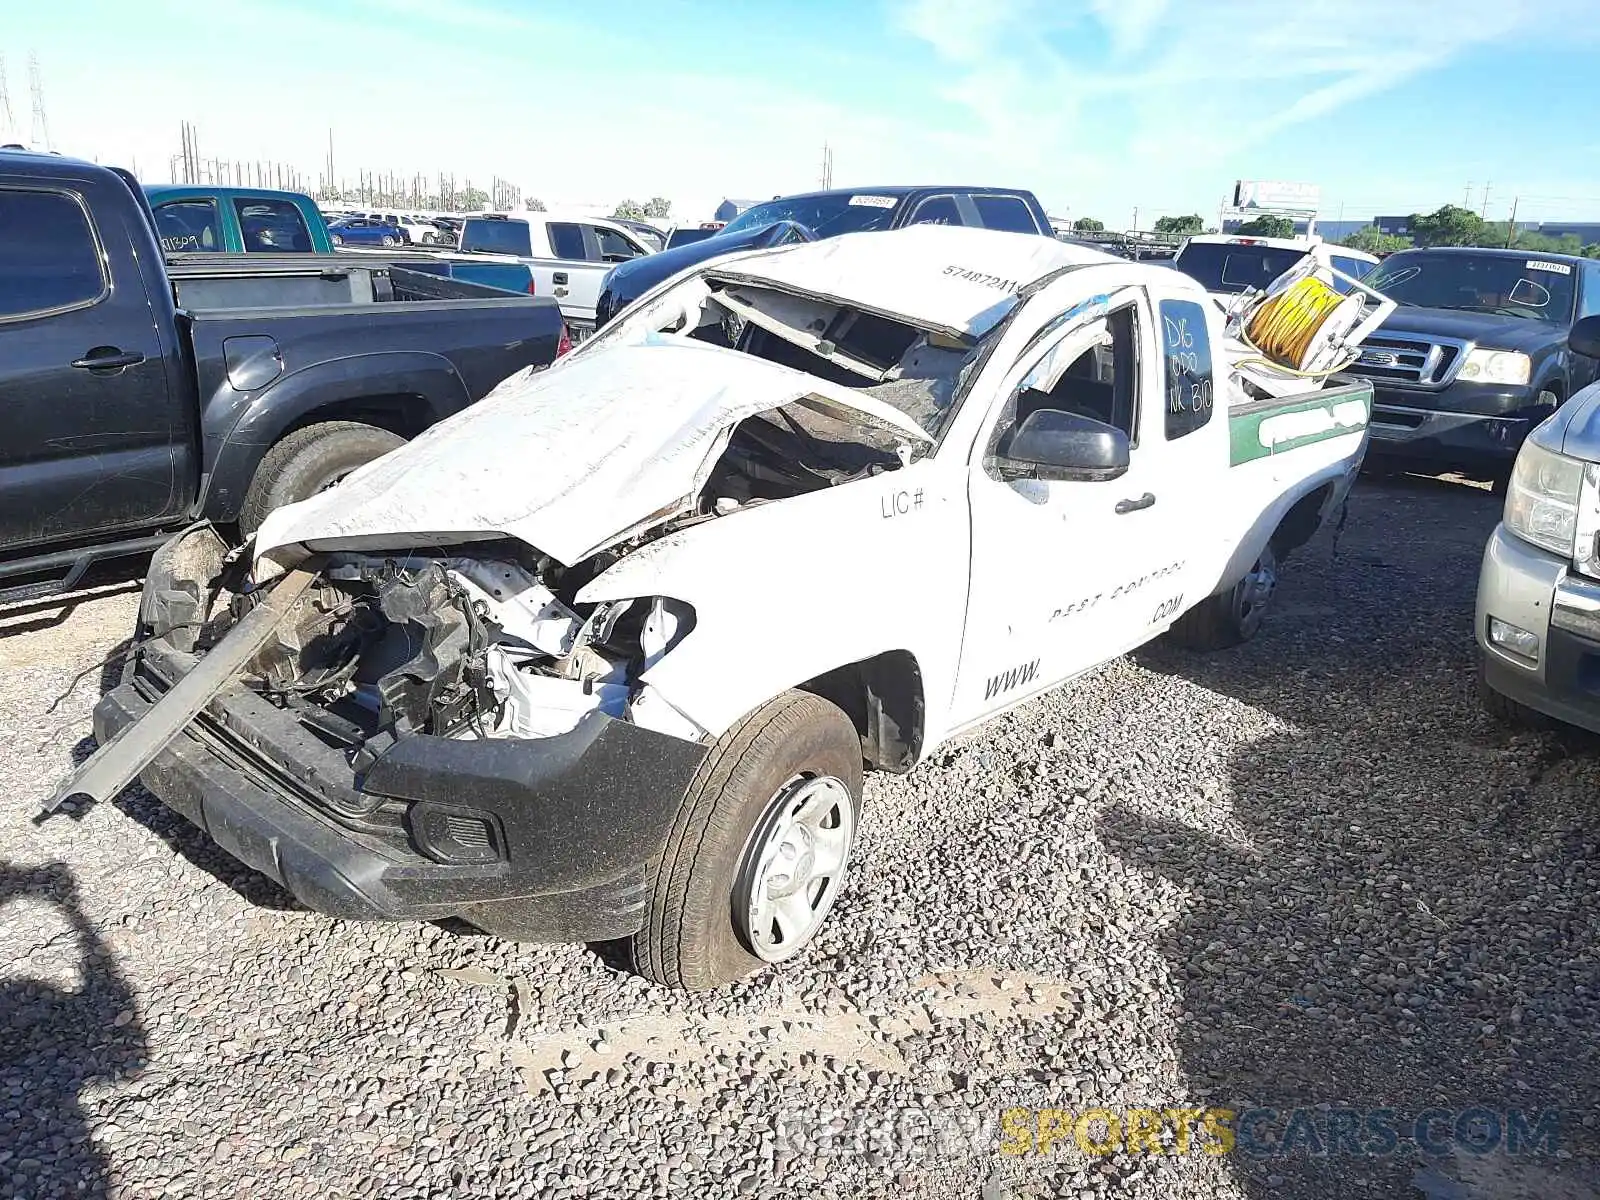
(200, 219)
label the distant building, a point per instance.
(1587, 231)
(729, 209)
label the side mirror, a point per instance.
(1060, 446)
(1585, 338)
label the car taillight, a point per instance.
(564, 346)
(532, 291)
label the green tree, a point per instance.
(1267, 225)
(536, 205)
(1373, 241)
(1450, 225)
(629, 210)
(1592, 250)
(658, 207)
(1181, 226)
(1088, 225)
(473, 200)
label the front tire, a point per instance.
(1506, 710)
(308, 461)
(1235, 616)
(759, 849)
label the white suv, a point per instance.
(1228, 263)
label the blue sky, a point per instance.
(1098, 105)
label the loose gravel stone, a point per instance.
(1307, 871)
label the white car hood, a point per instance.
(568, 460)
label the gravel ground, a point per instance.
(1308, 872)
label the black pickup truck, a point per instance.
(138, 396)
(1475, 356)
(816, 215)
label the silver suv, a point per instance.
(1538, 613)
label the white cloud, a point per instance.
(1151, 93)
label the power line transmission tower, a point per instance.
(41, 127)
(8, 123)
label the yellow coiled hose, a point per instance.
(1282, 328)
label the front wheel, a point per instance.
(1235, 616)
(758, 852)
(308, 461)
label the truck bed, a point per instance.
(255, 281)
(1275, 425)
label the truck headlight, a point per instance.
(1496, 366)
(1542, 499)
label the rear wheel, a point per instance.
(388, 240)
(759, 849)
(308, 461)
(1235, 616)
(336, 239)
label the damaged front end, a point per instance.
(384, 648)
(439, 734)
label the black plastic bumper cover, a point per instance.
(1570, 690)
(577, 817)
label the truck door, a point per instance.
(1066, 575)
(91, 440)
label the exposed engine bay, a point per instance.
(384, 647)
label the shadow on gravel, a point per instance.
(56, 1040)
(48, 612)
(1409, 920)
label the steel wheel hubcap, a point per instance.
(793, 865)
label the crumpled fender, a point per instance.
(788, 590)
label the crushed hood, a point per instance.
(568, 460)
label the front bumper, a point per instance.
(562, 827)
(1463, 425)
(1533, 590)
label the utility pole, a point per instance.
(827, 166)
(1466, 200)
(1485, 213)
(41, 127)
(1511, 229)
(1136, 218)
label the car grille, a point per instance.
(1419, 362)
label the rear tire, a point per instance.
(336, 239)
(309, 461)
(387, 240)
(728, 855)
(1235, 616)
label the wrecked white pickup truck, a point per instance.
(605, 655)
